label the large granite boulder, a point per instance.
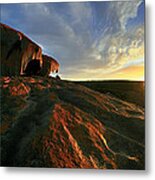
(50, 65)
(17, 51)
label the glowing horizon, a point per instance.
(140, 76)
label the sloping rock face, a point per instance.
(50, 65)
(131, 91)
(51, 123)
(16, 51)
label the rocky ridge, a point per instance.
(53, 123)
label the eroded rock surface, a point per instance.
(18, 53)
(52, 123)
(50, 65)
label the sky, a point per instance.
(91, 40)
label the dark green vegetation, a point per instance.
(53, 123)
(131, 91)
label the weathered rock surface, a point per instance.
(52, 123)
(17, 51)
(50, 65)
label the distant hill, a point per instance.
(53, 123)
(131, 91)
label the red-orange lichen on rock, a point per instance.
(19, 90)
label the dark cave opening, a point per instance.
(33, 68)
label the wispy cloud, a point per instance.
(86, 38)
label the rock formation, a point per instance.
(17, 51)
(50, 65)
(48, 123)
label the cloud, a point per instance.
(88, 39)
(125, 11)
